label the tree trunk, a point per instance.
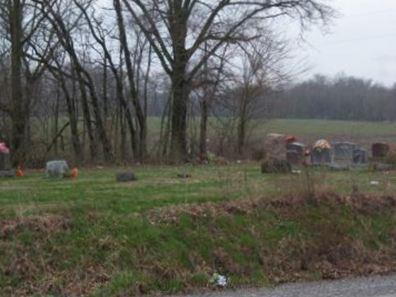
(242, 125)
(180, 95)
(165, 128)
(141, 122)
(56, 121)
(143, 142)
(100, 127)
(18, 112)
(203, 135)
(104, 90)
(124, 156)
(73, 117)
(180, 90)
(87, 118)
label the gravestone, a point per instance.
(5, 163)
(57, 169)
(321, 152)
(380, 150)
(344, 152)
(337, 167)
(359, 156)
(126, 176)
(5, 166)
(321, 156)
(184, 175)
(295, 153)
(275, 146)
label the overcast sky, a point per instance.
(362, 42)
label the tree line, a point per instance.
(85, 74)
(339, 98)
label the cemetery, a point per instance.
(110, 221)
(182, 147)
(282, 153)
(338, 155)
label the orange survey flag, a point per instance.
(74, 172)
(19, 172)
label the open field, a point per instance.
(95, 237)
(302, 127)
(314, 129)
(308, 130)
(311, 128)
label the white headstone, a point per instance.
(57, 169)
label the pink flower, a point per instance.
(4, 149)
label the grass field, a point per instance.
(307, 130)
(159, 186)
(332, 129)
(161, 234)
(95, 237)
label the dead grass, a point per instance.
(359, 202)
(42, 224)
(329, 251)
(143, 242)
(310, 239)
(68, 283)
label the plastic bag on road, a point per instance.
(219, 280)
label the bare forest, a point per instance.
(136, 80)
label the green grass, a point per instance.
(98, 237)
(98, 190)
(311, 129)
(158, 186)
(314, 128)
(327, 127)
(306, 130)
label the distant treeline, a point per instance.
(339, 98)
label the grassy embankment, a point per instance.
(95, 237)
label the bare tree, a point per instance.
(71, 59)
(208, 85)
(178, 29)
(20, 23)
(54, 13)
(263, 70)
(131, 77)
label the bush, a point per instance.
(275, 166)
(259, 154)
(391, 158)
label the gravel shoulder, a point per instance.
(362, 287)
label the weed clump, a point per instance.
(272, 165)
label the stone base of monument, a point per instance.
(126, 176)
(5, 166)
(7, 173)
(5, 162)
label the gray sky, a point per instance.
(362, 42)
